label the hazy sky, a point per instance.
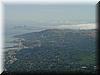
(18, 13)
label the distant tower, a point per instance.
(20, 44)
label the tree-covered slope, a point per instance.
(56, 50)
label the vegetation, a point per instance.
(56, 50)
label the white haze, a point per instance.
(79, 26)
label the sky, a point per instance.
(49, 14)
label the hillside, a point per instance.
(56, 50)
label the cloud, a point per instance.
(79, 26)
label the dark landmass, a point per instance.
(55, 50)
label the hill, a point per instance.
(56, 50)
